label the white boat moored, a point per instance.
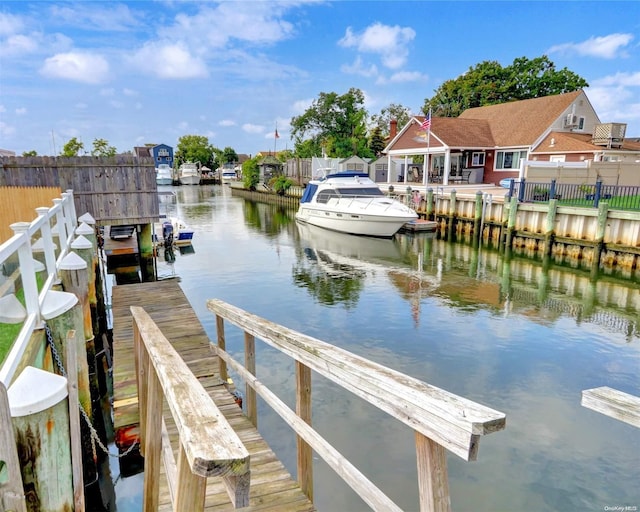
(350, 202)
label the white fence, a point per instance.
(30, 237)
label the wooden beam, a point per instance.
(303, 410)
(613, 403)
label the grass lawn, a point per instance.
(9, 332)
(615, 203)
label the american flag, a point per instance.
(426, 124)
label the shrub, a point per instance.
(280, 184)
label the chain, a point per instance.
(95, 437)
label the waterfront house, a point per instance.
(488, 144)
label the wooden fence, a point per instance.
(113, 190)
(441, 420)
(19, 203)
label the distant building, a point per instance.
(6, 152)
(161, 153)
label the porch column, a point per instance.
(388, 168)
(447, 167)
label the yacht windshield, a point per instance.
(369, 191)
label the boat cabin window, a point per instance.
(325, 195)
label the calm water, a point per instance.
(505, 334)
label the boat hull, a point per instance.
(354, 224)
(164, 181)
(190, 180)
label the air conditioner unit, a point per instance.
(570, 121)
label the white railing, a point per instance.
(21, 243)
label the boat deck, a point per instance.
(272, 487)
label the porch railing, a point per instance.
(441, 420)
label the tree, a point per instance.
(394, 111)
(377, 141)
(229, 156)
(72, 148)
(334, 123)
(194, 148)
(284, 155)
(101, 148)
(33, 152)
(250, 174)
(488, 83)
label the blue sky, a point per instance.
(152, 71)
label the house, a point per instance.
(488, 144)
(162, 154)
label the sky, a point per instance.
(150, 72)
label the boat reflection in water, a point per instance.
(347, 260)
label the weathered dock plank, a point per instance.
(272, 487)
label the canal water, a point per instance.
(519, 336)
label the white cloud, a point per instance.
(18, 45)
(112, 17)
(408, 76)
(357, 68)
(227, 122)
(624, 79)
(170, 61)
(21, 111)
(604, 47)
(6, 129)
(77, 66)
(389, 42)
(252, 128)
(10, 24)
(129, 92)
(300, 106)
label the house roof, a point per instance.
(566, 142)
(520, 123)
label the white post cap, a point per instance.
(34, 391)
(56, 303)
(72, 262)
(11, 310)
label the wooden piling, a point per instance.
(40, 417)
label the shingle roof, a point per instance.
(520, 123)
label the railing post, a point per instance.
(27, 270)
(303, 409)
(63, 233)
(521, 190)
(191, 488)
(433, 480)
(152, 442)
(222, 346)
(47, 241)
(69, 215)
(250, 365)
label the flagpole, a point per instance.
(425, 177)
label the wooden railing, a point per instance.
(441, 420)
(208, 446)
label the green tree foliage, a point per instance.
(488, 83)
(72, 147)
(229, 156)
(101, 148)
(250, 174)
(284, 155)
(194, 148)
(335, 123)
(377, 141)
(33, 152)
(395, 111)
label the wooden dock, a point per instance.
(272, 487)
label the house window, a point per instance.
(581, 123)
(507, 160)
(477, 159)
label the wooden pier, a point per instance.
(272, 487)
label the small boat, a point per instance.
(176, 232)
(189, 174)
(351, 202)
(229, 175)
(164, 175)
